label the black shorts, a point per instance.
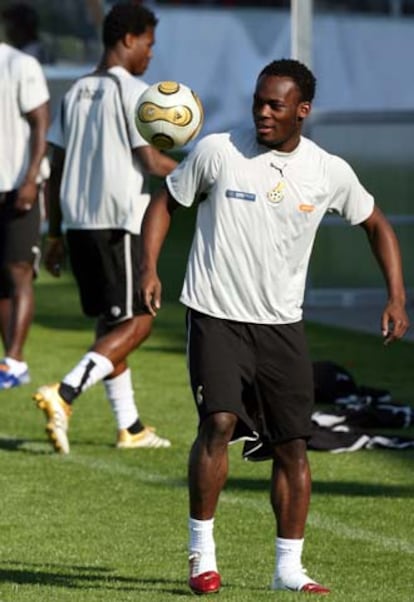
(19, 232)
(262, 373)
(19, 238)
(105, 265)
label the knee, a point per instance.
(21, 276)
(292, 453)
(139, 329)
(144, 329)
(218, 427)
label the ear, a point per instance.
(304, 110)
(128, 40)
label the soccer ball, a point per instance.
(168, 115)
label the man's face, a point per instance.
(278, 112)
(141, 51)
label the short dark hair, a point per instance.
(22, 15)
(301, 75)
(124, 18)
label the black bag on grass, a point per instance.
(335, 384)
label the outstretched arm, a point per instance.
(154, 162)
(154, 229)
(385, 246)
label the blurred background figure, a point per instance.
(24, 114)
(22, 31)
(98, 190)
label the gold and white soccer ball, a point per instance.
(168, 115)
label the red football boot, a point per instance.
(315, 588)
(205, 583)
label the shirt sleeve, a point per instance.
(33, 90)
(350, 199)
(195, 175)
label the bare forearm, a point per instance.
(384, 244)
(386, 249)
(154, 162)
(155, 226)
(164, 166)
(154, 230)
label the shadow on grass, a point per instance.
(349, 489)
(97, 578)
(32, 446)
(85, 577)
(42, 447)
(339, 488)
(355, 489)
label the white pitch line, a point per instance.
(317, 520)
(122, 470)
(329, 524)
(323, 522)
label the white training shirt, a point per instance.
(102, 185)
(258, 214)
(23, 88)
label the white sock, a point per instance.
(120, 395)
(16, 367)
(202, 547)
(288, 557)
(92, 368)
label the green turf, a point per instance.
(106, 525)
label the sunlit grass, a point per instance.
(105, 525)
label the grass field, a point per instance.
(106, 525)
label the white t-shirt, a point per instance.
(23, 88)
(257, 218)
(102, 185)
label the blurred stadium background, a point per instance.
(364, 110)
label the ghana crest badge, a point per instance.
(277, 194)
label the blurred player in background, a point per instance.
(24, 114)
(99, 189)
(22, 30)
(262, 194)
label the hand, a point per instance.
(150, 291)
(26, 197)
(54, 255)
(394, 322)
